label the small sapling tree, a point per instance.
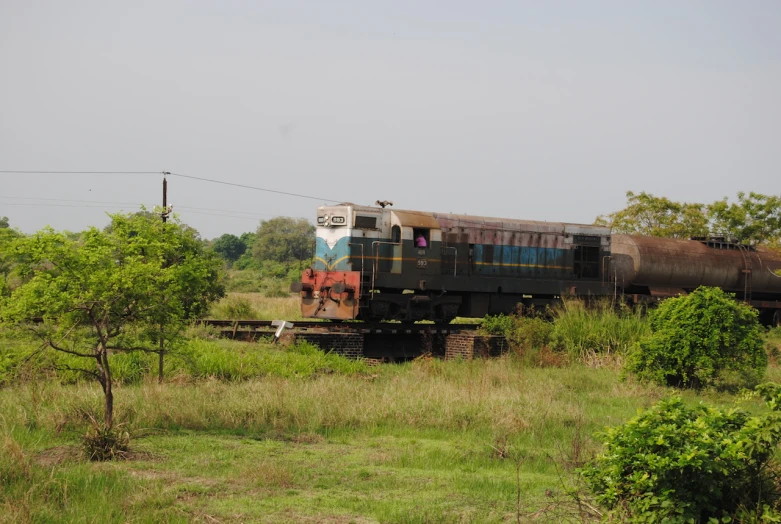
(110, 290)
(697, 338)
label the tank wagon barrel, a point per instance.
(684, 265)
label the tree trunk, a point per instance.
(105, 371)
(160, 360)
(108, 417)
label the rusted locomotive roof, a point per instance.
(435, 220)
(510, 224)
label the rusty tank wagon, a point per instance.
(648, 268)
(380, 263)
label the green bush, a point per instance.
(246, 261)
(498, 325)
(698, 339)
(673, 463)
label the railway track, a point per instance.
(261, 326)
(266, 326)
(378, 341)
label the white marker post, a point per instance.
(282, 326)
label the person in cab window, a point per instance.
(420, 241)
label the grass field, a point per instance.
(260, 433)
(427, 441)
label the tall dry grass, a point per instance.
(594, 333)
(497, 396)
(599, 329)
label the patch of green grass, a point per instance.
(274, 304)
(197, 358)
(230, 360)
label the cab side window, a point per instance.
(421, 238)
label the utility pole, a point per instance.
(164, 216)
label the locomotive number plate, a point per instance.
(422, 263)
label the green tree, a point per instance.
(7, 235)
(697, 338)
(111, 290)
(753, 219)
(248, 238)
(230, 247)
(4, 222)
(649, 215)
(284, 240)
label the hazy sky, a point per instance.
(545, 110)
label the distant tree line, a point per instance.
(276, 247)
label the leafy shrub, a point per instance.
(498, 325)
(246, 261)
(529, 337)
(696, 339)
(673, 463)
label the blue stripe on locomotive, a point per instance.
(521, 261)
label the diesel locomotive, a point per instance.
(380, 263)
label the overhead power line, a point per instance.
(254, 187)
(31, 172)
(166, 173)
(7, 197)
